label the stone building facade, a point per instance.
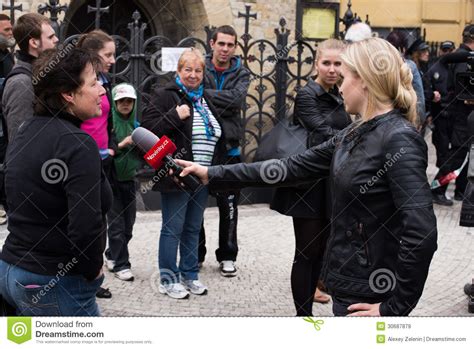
(442, 19)
(177, 19)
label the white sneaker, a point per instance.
(195, 287)
(110, 264)
(125, 275)
(175, 290)
(228, 268)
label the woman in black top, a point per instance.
(320, 109)
(57, 194)
(383, 228)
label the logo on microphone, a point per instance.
(159, 149)
(54, 171)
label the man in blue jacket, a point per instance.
(226, 82)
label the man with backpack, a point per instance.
(33, 34)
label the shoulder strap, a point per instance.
(4, 141)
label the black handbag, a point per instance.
(283, 140)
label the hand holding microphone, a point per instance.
(158, 155)
(192, 168)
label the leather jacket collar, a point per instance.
(319, 91)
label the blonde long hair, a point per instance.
(387, 76)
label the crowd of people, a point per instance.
(69, 168)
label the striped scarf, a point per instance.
(195, 97)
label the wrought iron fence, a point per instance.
(278, 68)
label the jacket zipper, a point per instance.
(360, 230)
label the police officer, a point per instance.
(458, 113)
(438, 75)
(445, 48)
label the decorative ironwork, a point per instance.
(98, 12)
(349, 18)
(247, 15)
(54, 8)
(12, 9)
(278, 69)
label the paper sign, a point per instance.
(170, 57)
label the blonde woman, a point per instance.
(182, 111)
(383, 228)
(320, 109)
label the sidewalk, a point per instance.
(262, 286)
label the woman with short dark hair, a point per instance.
(57, 194)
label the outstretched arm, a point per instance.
(312, 164)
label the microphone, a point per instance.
(158, 153)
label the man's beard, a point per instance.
(6, 43)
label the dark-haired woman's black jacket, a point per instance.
(322, 114)
(383, 230)
(58, 197)
(161, 117)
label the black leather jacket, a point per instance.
(321, 113)
(383, 229)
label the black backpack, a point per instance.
(3, 126)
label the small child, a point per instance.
(121, 217)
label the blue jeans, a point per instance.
(48, 295)
(182, 217)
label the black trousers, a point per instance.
(228, 216)
(121, 219)
(455, 159)
(311, 237)
(442, 138)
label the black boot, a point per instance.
(103, 293)
(469, 291)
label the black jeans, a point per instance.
(228, 215)
(121, 219)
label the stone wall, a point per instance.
(216, 13)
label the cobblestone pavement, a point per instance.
(262, 285)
